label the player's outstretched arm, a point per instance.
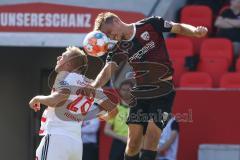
(105, 75)
(110, 107)
(102, 78)
(52, 100)
(189, 30)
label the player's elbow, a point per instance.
(58, 100)
(177, 28)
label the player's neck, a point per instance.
(129, 31)
(78, 72)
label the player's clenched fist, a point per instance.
(35, 104)
(200, 31)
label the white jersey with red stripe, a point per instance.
(63, 120)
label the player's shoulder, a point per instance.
(69, 77)
(61, 76)
(150, 20)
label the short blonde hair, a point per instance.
(75, 50)
(103, 18)
(78, 57)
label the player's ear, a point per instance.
(69, 64)
(116, 20)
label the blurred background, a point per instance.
(207, 70)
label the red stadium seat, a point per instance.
(196, 80)
(230, 80)
(179, 69)
(197, 15)
(238, 65)
(197, 43)
(179, 49)
(217, 48)
(214, 67)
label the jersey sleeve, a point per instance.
(175, 126)
(160, 24)
(62, 81)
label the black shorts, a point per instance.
(154, 108)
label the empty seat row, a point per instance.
(215, 58)
(197, 15)
(211, 48)
(204, 80)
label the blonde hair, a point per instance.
(103, 18)
(78, 58)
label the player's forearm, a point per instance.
(189, 30)
(51, 100)
(186, 30)
(101, 79)
(46, 100)
(104, 76)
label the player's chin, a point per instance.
(118, 38)
(56, 68)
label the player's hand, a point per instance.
(35, 104)
(200, 31)
(88, 91)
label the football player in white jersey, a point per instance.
(67, 108)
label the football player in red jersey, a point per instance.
(142, 46)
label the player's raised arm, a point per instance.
(105, 75)
(102, 78)
(189, 30)
(52, 100)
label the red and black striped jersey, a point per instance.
(146, 45)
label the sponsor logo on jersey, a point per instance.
(139, 54)
(81, 83)
(63, 83)
(145, 36)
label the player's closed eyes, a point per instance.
(59, 57)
